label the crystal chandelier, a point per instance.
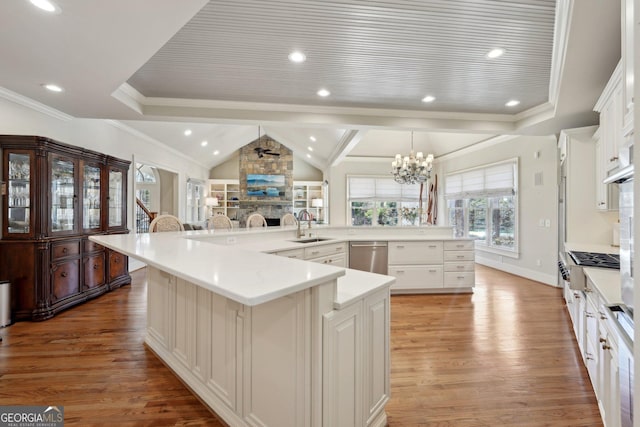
(413, 168)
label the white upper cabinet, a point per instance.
(611, 115)
(627, 60)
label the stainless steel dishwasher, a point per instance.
(368, 256)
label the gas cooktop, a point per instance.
(593, 259)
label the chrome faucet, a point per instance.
(300, 233)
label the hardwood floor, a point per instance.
(504, 356)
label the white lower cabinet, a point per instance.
(295, 361)
(356, 363)
(416, 277)
(597, 341)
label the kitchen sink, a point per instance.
(311, 240)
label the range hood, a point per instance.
(623, 175)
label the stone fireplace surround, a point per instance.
(272, 208)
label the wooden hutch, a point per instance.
(54, 196)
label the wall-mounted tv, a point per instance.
(265, 185)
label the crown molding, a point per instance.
(564, 12)
(34, 105)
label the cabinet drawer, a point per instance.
(65, 249)
(458, 256)
(117, 265)
(459, 279)
(65, 279)
(402, 253)
(416, 277)
(94, 271)
(293, 253)
(458, 245)
(90, 246)
(459, 266)
(322, 250)
(337, 260)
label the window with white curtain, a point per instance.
(380, 201)
(482, 204)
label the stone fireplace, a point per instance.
(266, 156)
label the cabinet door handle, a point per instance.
(63, 274)
(459, 246)
(433, 246)
(315, 252)
(116, 260)
(432, 271)
(65, 250)
(96, 266)
(460, 256)
(460, 267)
(460, 277)
(400, 271)
(613, 159)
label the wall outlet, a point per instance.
(541, 222)
(547, 223)
(231, 240)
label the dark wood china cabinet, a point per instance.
(54, 197)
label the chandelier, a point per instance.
(413, 168)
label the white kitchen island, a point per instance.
(265, 340)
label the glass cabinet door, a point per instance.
(116, 198)
(19, 193)
(91, 197)
(63, 195)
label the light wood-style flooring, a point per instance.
(504, 356)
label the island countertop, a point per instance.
(250, 278)
(238, 265)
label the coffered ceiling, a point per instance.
(220, 68)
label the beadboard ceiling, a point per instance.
(220, 68)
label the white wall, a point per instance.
(537, 244)
(98, 135)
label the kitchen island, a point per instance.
(265, 340)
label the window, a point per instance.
(482, 205)
(380, 201)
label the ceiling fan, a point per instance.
(262, 151)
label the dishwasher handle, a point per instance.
(370, 245)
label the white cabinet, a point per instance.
(431, 265)
(356, 363)
(459, 266)
(628, 54)
(610, 107)
(416, 277)
(597, 341)
(414, 252)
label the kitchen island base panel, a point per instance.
(432, 291)
(261, 365)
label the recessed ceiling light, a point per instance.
(53, 87)
(323, 93)
(495, 53)
(297, 57)
(310, 148)
(309, 155)
(46, 5)
(215, 153)
(512, 103)
(428, 98)
(204, 143)
(187, 132)
(313, 138)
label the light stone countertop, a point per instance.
(607, 280)
(235, 265)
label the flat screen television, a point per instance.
(265, 185)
